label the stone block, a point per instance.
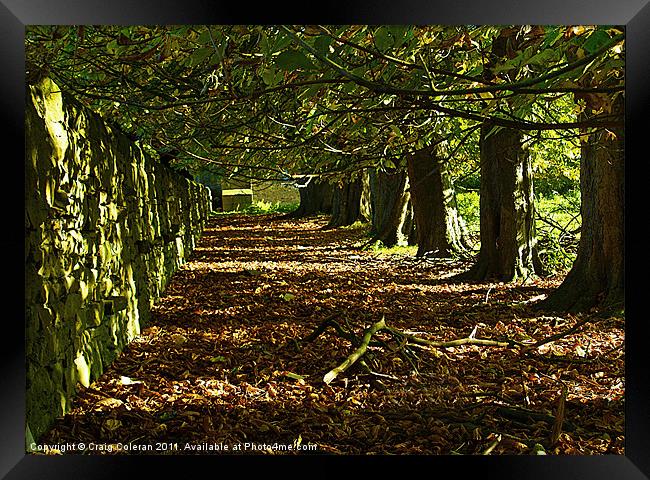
(106, 230)
(236, 199)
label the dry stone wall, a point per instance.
(106, 226)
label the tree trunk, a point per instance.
(409, 229)
(315, 197)
(389, 198)
(597, 276)
(366, 207)
(507, 209)
(346, 203)
(432, 196)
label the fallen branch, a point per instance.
(328, 322)
(358, 353)
(496, 441)
(458, 342)
(563, 334)
(402, 339)
(559, 418)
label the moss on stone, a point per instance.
(98, 197)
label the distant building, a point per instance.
(230, 194)
(236, 194)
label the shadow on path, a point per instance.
(222, 363)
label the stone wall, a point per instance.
(105, 228)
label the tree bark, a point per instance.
(432, 196)
(346, 203)
(507, 215)
(366, 206)
(388, 198)
(315, 197)
(597, 275)
(409, 229)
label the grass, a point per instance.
(562, 209)
(358, 225)
(405, 250)
(261, 207)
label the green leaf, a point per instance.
(164, 416)
(265, 45)
(595, 41)
(288, 296)
(553, 35)
(294, 376)
(218, 359)
(270, 76)
(544, 57)
(293, 59)
(360, 71)
(348, 87)
(199, 55)
(388, 163)
(383, 39)
(311, 91)
(400, 33)
(205, 38)
(538, 449)
(322, 44)
(282, 41)
(111, 47)
(475, 71)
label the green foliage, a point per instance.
(405, 250)
(383, 39)
(595, 41)
(557, 225)
(274, 101)
(558, 229)
(292, 59)
(261, 207)
(469, 210)
(337, 98)
(470, 182)
(555, 155)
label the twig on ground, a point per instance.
(496, 441)
(358, 353)
(559, 418)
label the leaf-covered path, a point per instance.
(223, 362)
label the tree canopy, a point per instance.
(275, 100)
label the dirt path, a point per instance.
(218, 367)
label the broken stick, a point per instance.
(358, 353)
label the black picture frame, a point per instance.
(16, 14)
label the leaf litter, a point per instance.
(224, 359)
